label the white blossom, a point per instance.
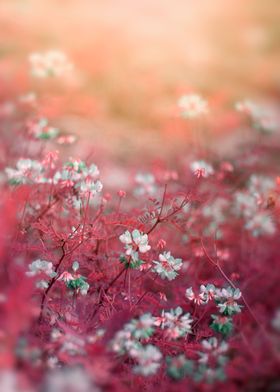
(175, 323)
(91, 187)
(41, 266)
(167, 266)
(50, 63)
(212, 348)
(26, 171)
(142, 327)
(192, 105)
(201, 169)
(148, 358)
(135, 240)
(145, 184)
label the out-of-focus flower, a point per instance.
(141, 328)
(76, 173)
(201, 169)
(148, 358)
(227, 300)
(89, 186)
(145, 184)
(261, 224)
(263, 116)
(66, 139)
(26, 171)
(212, 348)
(175, 323)
(40, 129)
(192, 105)
(38, 266)
(167, 266)
(73, 379)
(123, 342)
(51, 63)
(178, 367)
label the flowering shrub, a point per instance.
(170, 284)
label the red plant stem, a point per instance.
(160, 212)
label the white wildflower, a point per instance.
(201, 169)
(192, 105)
(145, 184)
(135, 240)
(167, 266)
(41, 266)
(26, 171)
(148, 358)
(51, 63)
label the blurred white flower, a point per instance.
(68, 379)
(148, 358)
(51, 63)
(38, 266)
(26, 171)
(146, 184)
(201, 169)
(192, 105)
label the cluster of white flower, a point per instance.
(149, 360)
(141, 328)
(226, 299)
(206, 293)
(40, 129)
(212, 348)
(50, 63)
(146, 184)
(167, 266)
(192, 105)
(123, 343)
(127, 342)
(134, 242)
(175, 323)
(76, 173)
(263, 116)
(201, 169)
(39, 267)
(27, 171)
